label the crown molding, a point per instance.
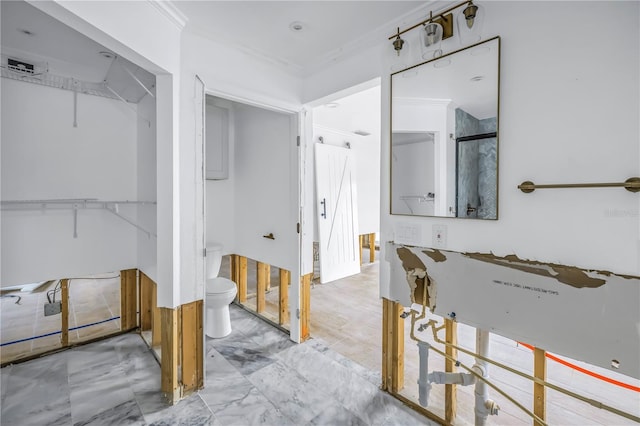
(171, 12)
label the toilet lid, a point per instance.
(220, 285)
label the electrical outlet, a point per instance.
(439, 235)
(52, 308)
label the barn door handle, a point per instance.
(324, 208)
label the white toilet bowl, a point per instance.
(220, 293)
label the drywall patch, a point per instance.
(436, 255)
(569, 275)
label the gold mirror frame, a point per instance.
(450, 203)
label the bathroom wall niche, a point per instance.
(444, 135)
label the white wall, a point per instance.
(220, 194)
(147, 187)
(568, 113)
(45, 157)
(234, 75)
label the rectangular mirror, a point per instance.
(444, 135)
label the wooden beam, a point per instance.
(386, 363)
(305, 306)
(267, 276)
(242, 279)
(64, 297)
(283, 290)
(261, 286)
(169, 362)
(191, 347)
(539, 391)
(360, 243)
(372, 247)
(156, 324)
(398, 349)
(128, 299)
(392, 346)
(450, 391)
(146, 302)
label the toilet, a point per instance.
(220, 293)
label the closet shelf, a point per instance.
(75, 204)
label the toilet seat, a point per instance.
(220, 285)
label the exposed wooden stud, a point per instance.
(64, 296)
(146, 302)
(191, 338)
(305, 306)
(361, 243)
(169, 363)
(450, 391)
(386, 363)
(392, 346)
(398, 349)
(539, 391)
(156, 325)
(372, 247)
(267, 276)
(233, 271)
(261, 286)
(242, 279)
(283, 290)
(128, 299)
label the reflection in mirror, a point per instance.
(444, 140)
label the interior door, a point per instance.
(337, 207)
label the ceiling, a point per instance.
(329, 28)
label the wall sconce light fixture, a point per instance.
(440, 27)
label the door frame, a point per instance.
(296, 113)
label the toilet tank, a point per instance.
(214, 259)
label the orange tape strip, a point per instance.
(587, 372)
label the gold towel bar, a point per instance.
(632, 184)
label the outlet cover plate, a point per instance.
(439, 235)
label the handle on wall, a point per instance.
(324, 208)
(632, 184)
(270, 236)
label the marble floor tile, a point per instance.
(337, 415)
(191, 411)
(97, 390)
(294, 396)
(38, 390)
(253, 408)
(127, 413)
(242, 353)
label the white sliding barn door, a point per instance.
(337, 207)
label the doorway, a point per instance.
(345, 306)
(252, 203)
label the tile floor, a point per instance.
(256, 375)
